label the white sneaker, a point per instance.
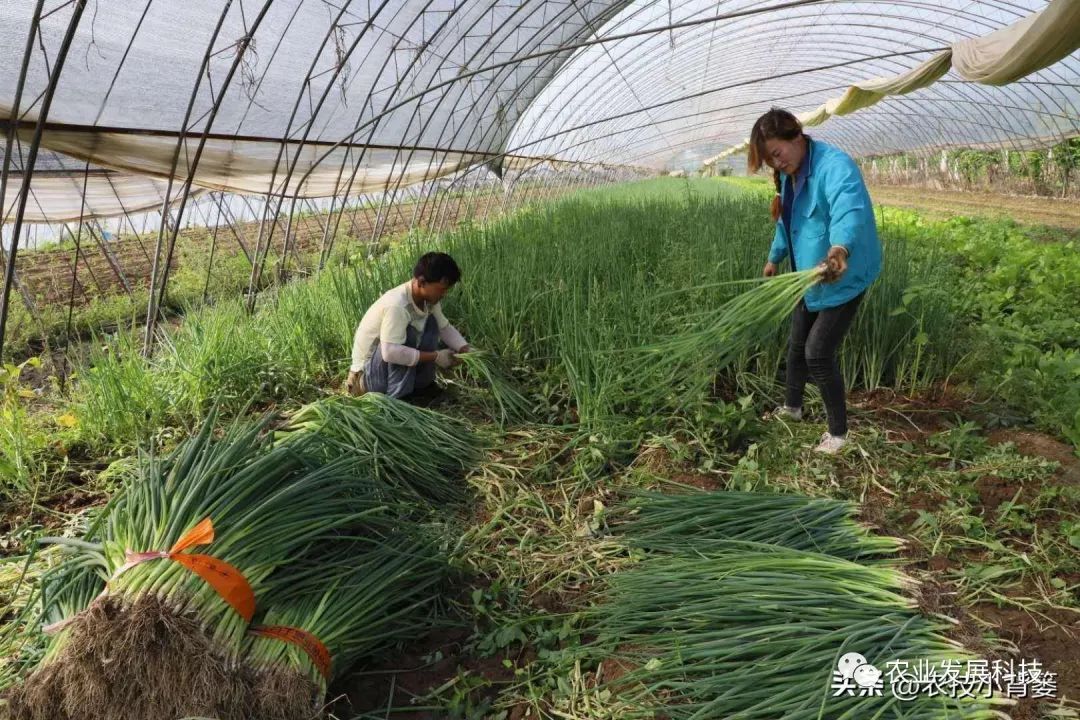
(787, 413)
(831, 444)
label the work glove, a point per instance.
(445, 358)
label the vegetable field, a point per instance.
(597, 518)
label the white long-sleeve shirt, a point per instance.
(404, 355)
(386, 323)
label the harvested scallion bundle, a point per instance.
(343, 601)
(165, 638)
(695, 523)
(509, 405)
(407, 447)
(757, 635)
(707, 341)
(719, 621)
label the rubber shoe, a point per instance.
(787, 413)
(831, 444)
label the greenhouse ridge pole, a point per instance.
(14, 119)
(540, 54)
(35, 143)
(9, 274)
(211, 114)
(152, 307)
(75, 278)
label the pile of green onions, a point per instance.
(757, 635)
(508, 405)
(406, 447)
(681, 524)
(268, 504)
(357, 595)
(726, 617)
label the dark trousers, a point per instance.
(400, 381)
(812, 348)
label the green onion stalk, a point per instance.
(413, 449)
(356, 595)
(707, 341)
(508, 405)
(757, 634)
(696, 523)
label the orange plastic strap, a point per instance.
(229, 582)
(320, 656)
(201, 534)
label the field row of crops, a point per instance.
(74, 290)
(623, 351)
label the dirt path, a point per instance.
(1055, 212)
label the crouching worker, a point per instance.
(396, 346)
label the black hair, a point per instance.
(437, 267)
(776, 123)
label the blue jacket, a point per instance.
(830, 207)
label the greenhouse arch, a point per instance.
(540, 359)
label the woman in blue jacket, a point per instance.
(824, 216)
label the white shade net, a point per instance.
(921, 71)
(308, 99)
(312, 98)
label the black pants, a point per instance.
(815, 339)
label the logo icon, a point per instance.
(853, 674)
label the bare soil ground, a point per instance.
(1053, 638)
(1053, 212)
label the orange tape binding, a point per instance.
(229, 582)
(320, 656)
